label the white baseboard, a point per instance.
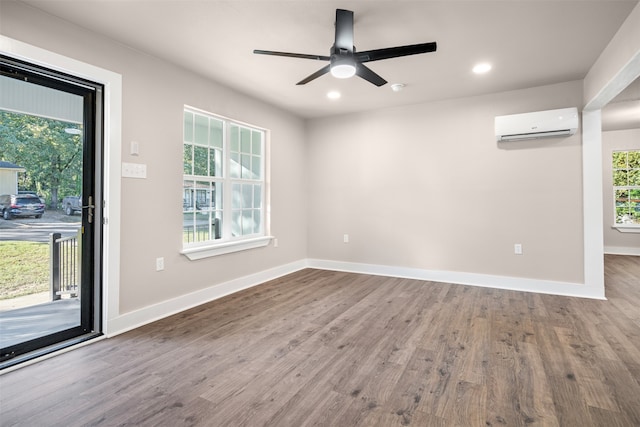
(616, 250)
(471, 279)
(137, 318)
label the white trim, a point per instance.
(627, 228)
(200, 252)
(137, 318)
(461, 278)
(111, 162)
(592, 209)
(618, 250)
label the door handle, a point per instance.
(91, 207)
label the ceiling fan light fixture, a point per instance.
(343, 68)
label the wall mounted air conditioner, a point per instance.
(539, 124)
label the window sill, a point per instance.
(635, 228)
(201, 252)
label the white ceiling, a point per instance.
(529, 43)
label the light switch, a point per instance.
(134, 170)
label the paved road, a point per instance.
(38, 230)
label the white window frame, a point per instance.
(228, 242)
(622, 227)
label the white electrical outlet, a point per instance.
(345, 238)
(275, 243)
(517, 249)
(135, 148)
(160, 264)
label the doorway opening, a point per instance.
(51, 175)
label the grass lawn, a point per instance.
(24, 268)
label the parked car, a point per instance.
(21, 205)
(31, 192)
(72, 204)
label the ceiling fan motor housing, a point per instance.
(343, 64)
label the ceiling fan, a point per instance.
(344, 61)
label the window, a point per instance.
(626, 187)
(223, 186)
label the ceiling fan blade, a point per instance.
(291, 55)
(344, 30)
(322, 71)
(368, 74)
(395, 52)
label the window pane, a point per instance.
(188, 126)
(245, 140)
(217, 165)
(217, 196)
(622, 196)
(247, 196)
(187, 156)
(256, 167)
(187, 196)
(213, 171)
(634, 159)
(215, 133)
(202, 130)
(257, 221)
(256, 141)
(236, 223)
(202, 229)
(247, 222)
(619, 160)
(257, 196)
(634, 177)
(235, 138)
(200, 160)
(203, 196)
(188, 229)
(246, 166)
(235, 165)
(620, 178)
(216, 226)
(622, 214)
(236, 196)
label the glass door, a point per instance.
(50, 217)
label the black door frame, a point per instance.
(92, 189)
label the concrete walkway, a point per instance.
(24, 301)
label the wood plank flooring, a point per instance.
(320, 348)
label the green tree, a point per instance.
(51, 156)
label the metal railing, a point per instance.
(64, 277)
(201, 232)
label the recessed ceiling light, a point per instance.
(334, 94)
(397, 87)
(482, 68)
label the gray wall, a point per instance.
(427, 186)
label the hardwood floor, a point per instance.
(338, 349)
